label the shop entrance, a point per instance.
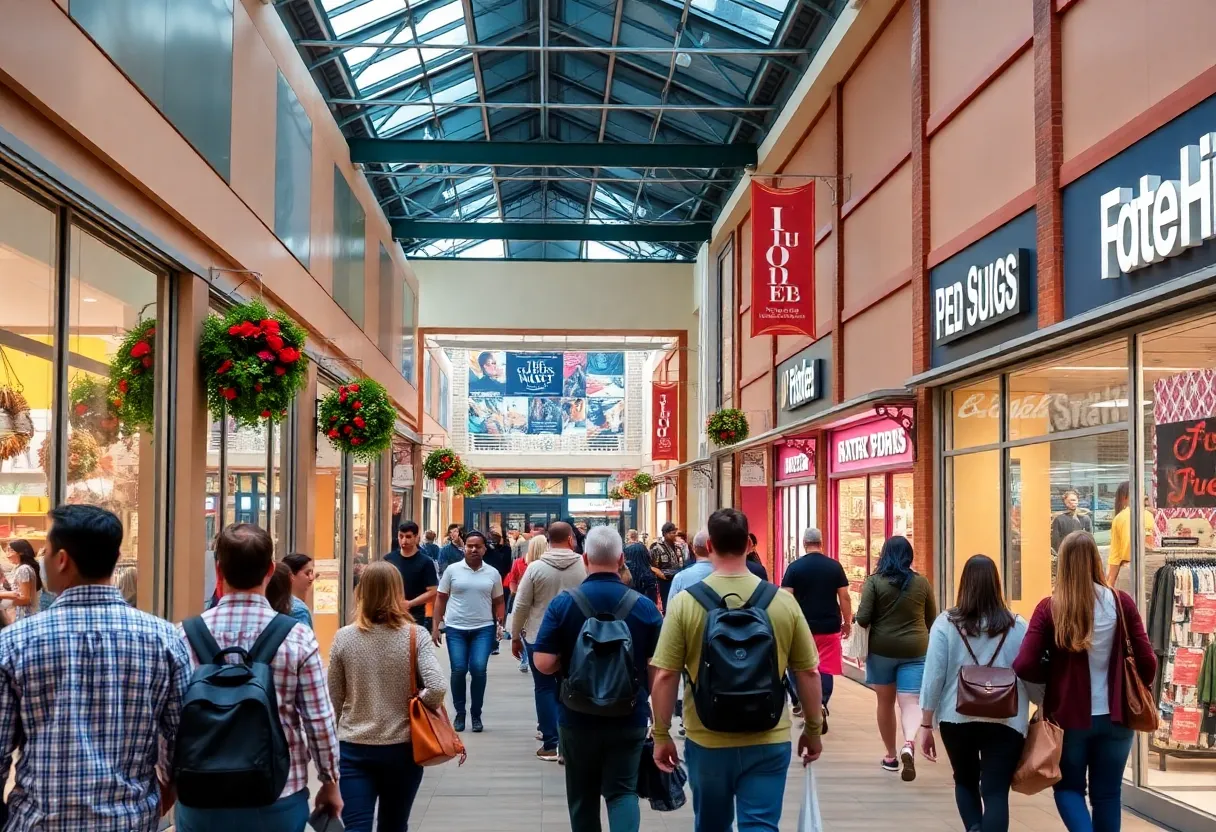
(498, 513)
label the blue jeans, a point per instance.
(750, 779)
(469, 651)
(287, 814)
(544, 689)
(1100, 752)
(386, 773)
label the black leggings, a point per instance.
(984, 756)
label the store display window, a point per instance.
(795, 498)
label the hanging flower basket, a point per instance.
(472, 484)
(253, 363)
(627, 490)
(642, 482)
(615, 494)
(727, 427)
(84, 455)
(91, 410)
(132, 387)
(16, 426)
(358, 419)
(441, 465)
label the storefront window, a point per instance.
(975, 415)
(797, 504)
(1085, 389)
(852, 538)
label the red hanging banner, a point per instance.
(783, 260)
(665, 425)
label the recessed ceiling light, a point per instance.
(89, 300)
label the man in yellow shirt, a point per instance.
(733, 771)
(1121, 533)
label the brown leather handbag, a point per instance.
(432, 736)
(984, 690)
(1139, 707)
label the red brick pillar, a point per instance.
(1048, 156)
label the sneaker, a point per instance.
(548, 755)
(890, 764)
(824, 725)
(477, 726)
(523, 667)
(908, 758)
(458, 723)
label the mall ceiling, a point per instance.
(556, 129)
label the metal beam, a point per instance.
(552, 154)
(432, 46)
(684, 232)
(522, 105)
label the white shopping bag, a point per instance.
(808, 818)
(858, 643)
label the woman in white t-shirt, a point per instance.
(26, 580)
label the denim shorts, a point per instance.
(905, 674)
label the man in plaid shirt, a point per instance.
(88, 689)
(244, 554)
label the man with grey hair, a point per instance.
(601, 752)
(821, 588)
(698, 570)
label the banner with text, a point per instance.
(665, 427)
(783, 260)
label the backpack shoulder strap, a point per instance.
(763, 596)
(1000, 645)
(584, 604)
(272, 637)
(626, 605)
(967, 644)
(705, 595)
(201, 641)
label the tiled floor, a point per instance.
(504, 788)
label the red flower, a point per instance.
(136, 371)
(249, 329)
(265, 414)
(228, 393)
(354, 388)
(341, 388)
(289, 355)
(360, 422)
(118, 402)
(235, 329)
(356, 441)
(270, 325)
(266, 355)
(342, 396)
(258, 387)
(225, 367)
(348, 430)
(151, 332)
(333, 418)
(147, 361)
(280, 370)
(82, 409)
(140, 350)
(333, 433)
(274, 342)
(357, 405)
(122, 385)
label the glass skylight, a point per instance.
(348, 21)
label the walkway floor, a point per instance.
(504, 788)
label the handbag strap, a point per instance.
(413, 660)
(1128, 651)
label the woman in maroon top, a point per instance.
(1076, 647)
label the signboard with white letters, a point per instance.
(804, 385)
(986, 295)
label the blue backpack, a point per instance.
(601, 679)
(231, 750)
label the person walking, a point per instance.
(371, 663)
(419, 579)
(1082, 630)
(498, 555)
(278, 590)
(88, 691)
(1121, 533)
(602, 751)
(469, 605)
(26, 592)
(819, 585)
(665, 561)
(244, 555)
(984, 753)
(537, 546)
(638, 561)
(700, 569)
(303, 573)
(754, 564)
(898, 607)
(557, 569)
(430, 548)
(734, 771)
(453, 550)
(519, 542)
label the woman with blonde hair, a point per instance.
(370, 664)
(1075, 645)
(536, 547)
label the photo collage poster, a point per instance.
(557, 393)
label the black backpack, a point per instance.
(738, 687)
(601, 679)
(231, 750)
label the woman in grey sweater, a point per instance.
(983, 752)
(370, 665)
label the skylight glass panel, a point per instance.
(486, 248)
(438, 18)
(457, 92)
(464, 186)
(748, 21)
(390, 64)
(361, 16)
(618, 203)
(468, 209)
(599, 251)
(403, 116)
(356, 56)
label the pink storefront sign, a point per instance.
(796, 461)
(879, 443)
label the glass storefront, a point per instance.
(795, 499)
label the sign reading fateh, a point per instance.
(783, 260)
(665, 428)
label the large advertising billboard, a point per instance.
(568, 394)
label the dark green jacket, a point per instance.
(899, 621)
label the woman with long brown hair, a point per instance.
(370, 664)
(1075, 645)
(983, 752)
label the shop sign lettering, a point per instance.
(802, 383)
(986, 295)
(796, 464)
(1186, 464)
(1164, 219)
(884, 443)
(1061, 411)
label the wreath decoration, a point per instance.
(358, 418)
(253, 363)
(472, 484)
(91, 411)
(132, 387)
(642, 482)
(84, 455)
(727, 427)
(442, 465)
(16, 426)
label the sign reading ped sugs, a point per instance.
(783, 260)
(986, 295)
